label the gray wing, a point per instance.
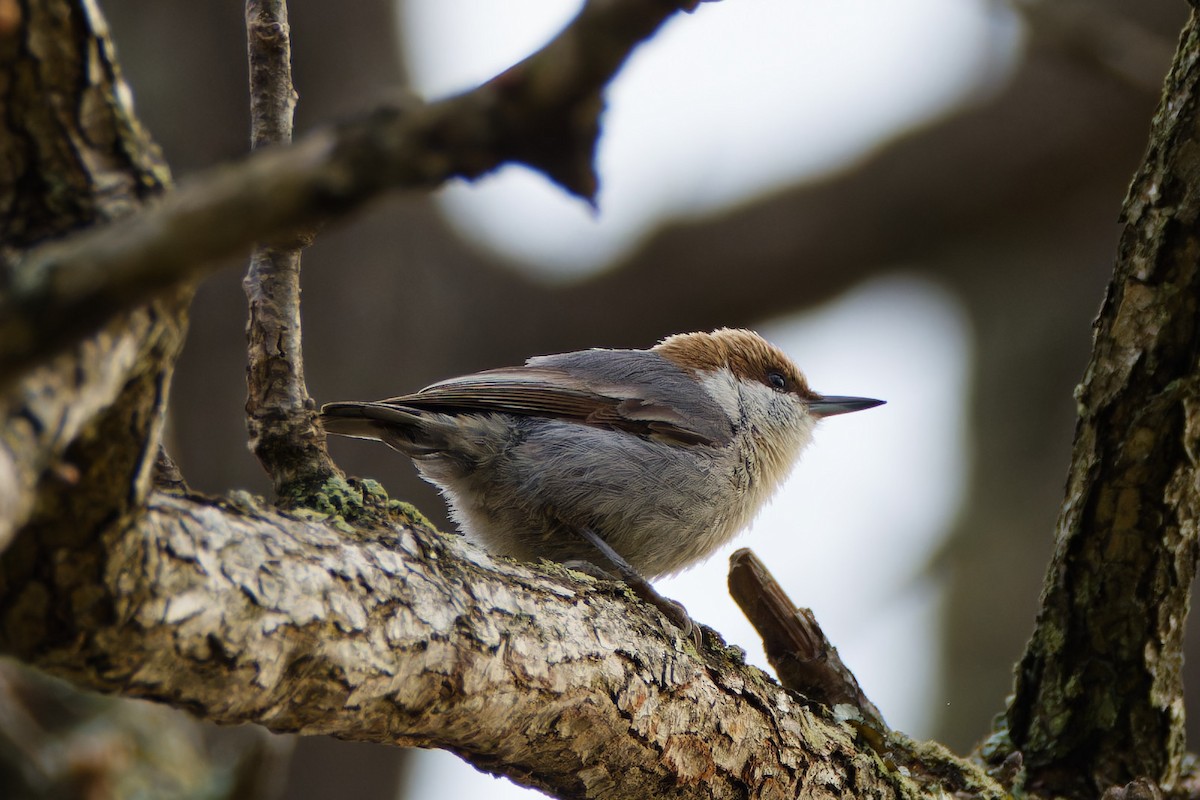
(632, 390)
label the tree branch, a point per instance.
(1098, 698)
(245, 614)
(280, 415)
(406, 636)
(802, 657)
(543, 112)
(77, 430)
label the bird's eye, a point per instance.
(778, 381)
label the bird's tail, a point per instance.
(364, 420)
(405, 429)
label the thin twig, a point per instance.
(279, 413)
(543, 112)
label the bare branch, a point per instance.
(543, 112)
(280, 414)
(411, 637)
(796, 646)
(269, 51)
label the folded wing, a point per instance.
(631, 390)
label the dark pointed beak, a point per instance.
(830, 405)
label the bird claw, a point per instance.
(675, 613)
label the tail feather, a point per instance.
(414, 433)
(368, 420)
(361, 420)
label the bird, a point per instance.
(644, 460)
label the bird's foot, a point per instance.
(673, 611)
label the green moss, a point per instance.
(350, 504)
(998, 745)
(409, 514)
(931, 764)
(730, 655)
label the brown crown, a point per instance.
(746, 354)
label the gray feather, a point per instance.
(637, 391)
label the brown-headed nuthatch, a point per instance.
(664, 454)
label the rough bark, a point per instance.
(280, 415)
(81, 430)
(406, 636)
(1099, 695)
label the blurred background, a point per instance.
(918, 201)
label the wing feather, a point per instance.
(631, 390)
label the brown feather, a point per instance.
(744, 353)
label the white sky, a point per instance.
(742, 97)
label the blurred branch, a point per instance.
(280, 415)
(57, 742)
(1099, 695)
(543, 112)
(1105, 37)
(1052, 134)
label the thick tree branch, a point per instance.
(80, 431)
(280, 415)
(412, 637)
(1099, 695)
(543, 112)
